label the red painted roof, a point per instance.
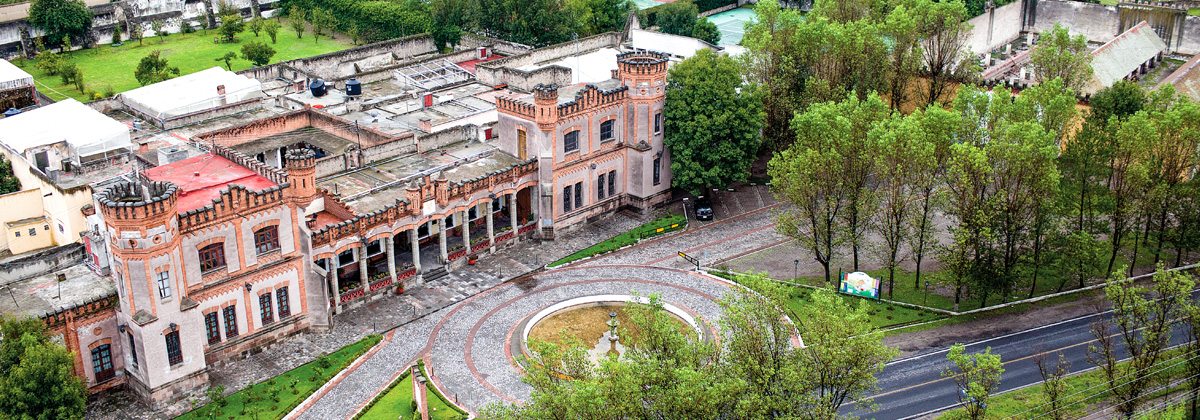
(202, 178)
(324, 218)
(469, 65)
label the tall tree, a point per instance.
(321, 20)
(36, 379)
(678, 18)
(939, 125)
(8, 181)
(1058, 55)
(599, 16)
(904, 58)
(773, 60)
(1127, 178)
(944, 30)
(1142, 329)
(231, 21)
(257, 53)
(1171, 158)
(712, 122)
(450, 19)
(296, 17)
(533, 22)
(904, 152)
(61, 18)
(271, 26)
(1122, 99)
(977, 375)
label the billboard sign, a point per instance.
(860, 284)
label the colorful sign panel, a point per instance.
(860, 284)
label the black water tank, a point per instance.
(353, 87)
(317, 87)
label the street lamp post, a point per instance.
(925, 300)
(795, 269)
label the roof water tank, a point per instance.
(353, 87)
(317, 87)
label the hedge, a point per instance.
(657, 227)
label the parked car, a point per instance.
(704, 209)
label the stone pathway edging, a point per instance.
(336, 379)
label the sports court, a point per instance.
(731, 24)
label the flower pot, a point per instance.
(471, 261)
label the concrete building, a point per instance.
(59, 162)
(599, 146)
(16, 88)
(1130, 55)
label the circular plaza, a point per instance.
(469, 347)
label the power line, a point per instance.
(1104, 383)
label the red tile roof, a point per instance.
(202, 178)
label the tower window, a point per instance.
(132, 348)
(163, 278)
(174, 351)
(606, 130)
(658, 122)
(657, 170)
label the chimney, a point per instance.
(143, 148)
(426, 125)
(221, 95)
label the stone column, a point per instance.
(416, 251)
(512, 214)
(442, 242)
(362, 265)
(466, 229)
(391, 257)
(333, 281)
(487, 207)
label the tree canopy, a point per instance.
(1059, 55)
(153, 69)
(61, 18)
(36, 378)
(754, 371)
(257, 53)
(712, 122)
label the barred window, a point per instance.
(606, 130)
(571, 142)
(264, 305)
(600, 187)
(281, 295)
(612, 182)
(211, 328)
(579, 195)
(174, 351)
(566, 199)
(657, 170)
(231, 327)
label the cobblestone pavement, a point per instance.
(378, 316)
(732, 233)
(467, 349)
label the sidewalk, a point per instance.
(380, 316)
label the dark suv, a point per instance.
(704, 209)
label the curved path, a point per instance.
(466, 345)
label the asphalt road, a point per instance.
(913, 387)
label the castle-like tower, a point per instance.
(160, 337)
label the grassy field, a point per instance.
(105, 65)
(277, 396)
(882, 314)
(654, 228)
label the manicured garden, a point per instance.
(654, 228)
(277, 396)
(111, 68)
(397, 402)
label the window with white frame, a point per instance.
(163, 278)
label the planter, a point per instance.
(471, 260)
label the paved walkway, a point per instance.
(467, 345)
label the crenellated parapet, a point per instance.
(272, 173)
(513, 106)
(642, 63)
(590, 98)
(233, 202)
(138, 202)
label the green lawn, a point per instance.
(277, 396)
(396, 402)
(882, 314)
(105, 65)
(654, 228)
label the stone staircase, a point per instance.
(435, 274)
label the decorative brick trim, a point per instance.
(99, 343)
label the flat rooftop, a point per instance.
(469, 65)
(332, 144)
(202, 178)
(43, 295)
(375, 187)
(589, 66)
